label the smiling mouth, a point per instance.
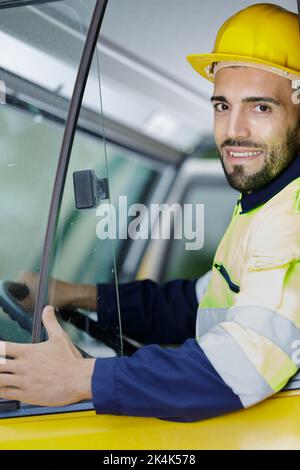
(233, 154)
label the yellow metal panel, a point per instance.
(273, 424)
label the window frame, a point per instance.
(20, 3)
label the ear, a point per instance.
(296, 97)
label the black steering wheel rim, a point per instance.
(12, 307)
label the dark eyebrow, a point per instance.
(219, 98)
(250, 99)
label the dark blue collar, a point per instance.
(262, 195)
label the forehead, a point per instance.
(245, 81)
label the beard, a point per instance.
(276, 160)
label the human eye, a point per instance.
(263, 108)
(219, 107)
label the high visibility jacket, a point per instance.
(237, 325)
(248, 321)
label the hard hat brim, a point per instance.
(201, 63)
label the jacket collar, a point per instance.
(262, 195)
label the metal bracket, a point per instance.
(89, 190)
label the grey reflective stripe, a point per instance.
(266, 322)
(202, 284)
(234, 367)
(207, 318)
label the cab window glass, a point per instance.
(133, 179)
(35, 88)
(83, 255)
(82, 258)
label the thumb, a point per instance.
(50, 323)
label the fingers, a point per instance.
(28, 277)
(10, 393)
(50, 322)
(22, 276)
(8, 365)
(8, 380)
(11, 350)
(76, 352)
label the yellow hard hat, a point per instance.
(263, 34)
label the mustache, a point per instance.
(242, 143)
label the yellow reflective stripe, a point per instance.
(269, 360)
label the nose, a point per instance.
(237, 126)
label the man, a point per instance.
(248, 318)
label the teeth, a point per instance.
(244, 154)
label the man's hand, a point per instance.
(52, 373)
(61, 294)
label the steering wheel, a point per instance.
(10, 294)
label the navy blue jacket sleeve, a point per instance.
(151, 313)
(176, 384)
